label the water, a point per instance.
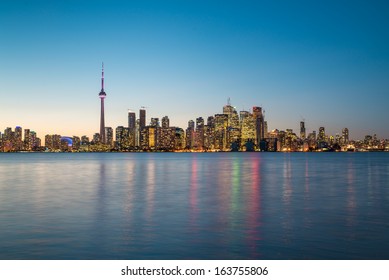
(194, 206)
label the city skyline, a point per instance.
(323, 63)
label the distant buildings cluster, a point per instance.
(228, 131)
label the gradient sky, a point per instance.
(323, 61)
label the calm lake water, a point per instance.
(194, 206)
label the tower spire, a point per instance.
(102, 76)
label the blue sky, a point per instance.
(326, 62)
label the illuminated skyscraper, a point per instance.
(142, 118)
(132, 128)
(345, 136)
(302, 130)
(322, 134)
(142, 125)
(109, 136)
(102, 95)
(165, 122)
(259, 124)
(199, 134)
(131, 120)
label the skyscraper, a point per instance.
(102, 95)
(345, 136)
(259, 124)
(131, 120)
(302, 130)
(142, 118)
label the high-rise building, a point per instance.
(154, 122)
(27, 140)
(189, 135)
(102, 96)
(221, 124)
(132, 128)
(302, 130)
(345, 136)
(199, 135)
(76, 143)
(322, 134)
(142, 124)
(142, 118)
(131, 120)
(248, 128)
(109, 136)
(18, 139)
(259, 124)
(165, 122)
(122, 138)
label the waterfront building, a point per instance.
(302, 130)
(18, 139)
(76, 143)
(221, 124)
(109, 136)
(179, 139)
(165, 122)
(142, 124)
(122, 138)
(27, 140)
(166, 140)
(132, 129)
(84, 140)
(189, 135)
(154, 122)
(322, 134)
(248, 128)
(199, 135)
(97, 138)
(259, 124)
(345, 136)
(53, 142)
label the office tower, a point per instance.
(248, 128)
(345, 136)
(76, 143)
(137, 133)
(142, 125)
(302, 131)
(199, 135)
(179, 139)
(97, 138)
(84, 140)
(189, 135)
(109, 136)
(209, 133)
(33, 140)
(142, 118)
(102, 95)
(27, 140)
(18, 139)
(149, 137)
(221, 124)
(259, 124)
(132, 128)
(131, 120)
(154, 122)
(322, 134)
(165, 122)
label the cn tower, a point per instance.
(102, 95)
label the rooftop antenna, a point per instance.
(229, 101)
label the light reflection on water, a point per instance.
(194, 206)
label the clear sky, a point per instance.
(323, 61)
